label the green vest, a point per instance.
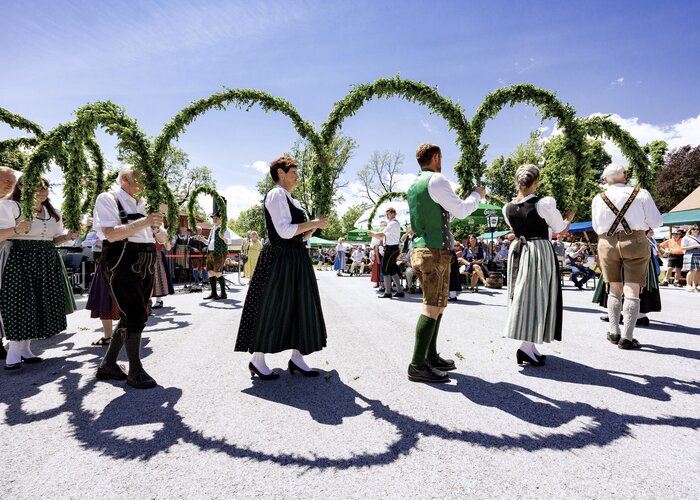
(220, 246)
(429, 221)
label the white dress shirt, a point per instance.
(278, 207)
(547, 209)
(641, 215)
(106, 214)
(442, 193)
(392, 232)
(211, 241)
(358, 255)
(44, 227)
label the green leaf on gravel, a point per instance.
(459, 356)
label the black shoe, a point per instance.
(381, 290)
(375, 286)
(614, 338)
(254, 371)
(579, 286)
(307, 373)
(385, 296)
(398, 295)
(212, 296)
(31, 361)
(427, 374)
(3, 352)
(524, 358)
(13, 366)
(222, 285)
(629, 344)
(157, 305)
(643, 321)
(107, 372)
(444, 365)
(141, 380)
(605, 318)
(451, 299)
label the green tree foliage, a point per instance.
(351, 215)
(252, 219)
(335, 228)
(656, 151)
(500, 177)
(679, 177)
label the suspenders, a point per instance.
(123, 216)
(620, 214)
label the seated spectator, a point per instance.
(559, 249)
(576, 256)
(474, 256)
(358, 260)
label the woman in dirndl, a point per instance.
(340, 257)
(253, 249)
(99, 302)
(33, 293)
(534, 286)
(282, 309)
(162, 282)
(690, 244)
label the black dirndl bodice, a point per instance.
(525, 221)
(282, 309)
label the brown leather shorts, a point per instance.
(432, 266)
(215, 263)
(624, 258)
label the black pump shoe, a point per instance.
(13, 366)
(524, 358)
(254, 371)
(307, 373)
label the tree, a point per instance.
(252, 219)
(656, 151)
(13, 158)
(678, 178)
(380, 174)
(352, 214)
(500, 177)
(335, 229)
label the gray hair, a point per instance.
(614, 173)
(526, 175)
(126, 172)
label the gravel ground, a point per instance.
(595, 422)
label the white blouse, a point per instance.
(547, 209)
(276, 204)
(44, 227)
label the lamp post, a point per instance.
(492, 221)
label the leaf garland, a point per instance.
(218, 199)
(391, 195)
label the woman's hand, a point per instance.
(23, 227)
(321, 222)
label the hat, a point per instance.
(215, 214)
(677, 231)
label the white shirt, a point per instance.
(392, 232)
(547, 209)
(641, 215)
(106, 214)
(442, 193)
(358, 255)
(276, 204)
(375, 242)
(211, 241)
(44, 227)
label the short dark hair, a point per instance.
(284, 162)
(391, 210)
(425, 153)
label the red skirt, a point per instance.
(375, 271)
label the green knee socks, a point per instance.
(432, 355)
(425, 330)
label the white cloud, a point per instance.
(238, 198)
(426, 125)
(261, 166)
(618, 82)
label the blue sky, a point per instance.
(635, 60)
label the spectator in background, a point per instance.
(576, 256)
(358, 260)
(674, 252)
(559, 249)
(690, 244)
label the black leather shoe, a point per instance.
(111, 372)
(13, 366)
(541, 357)
(307, 373)
(451, 299)
(385, 296)
(614, 338)
(629, 344)
(141, 380)
(444, 365)
(254, 371)
(643, 321)
(32, 361)
(398, 295)
(427, 374)
(524, 358)
(212, 296)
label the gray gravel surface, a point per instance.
(595, 422)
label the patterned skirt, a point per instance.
(100, 303)
(534, 292)
(282, 310)
(649, 296)
(33, 291)
(162, 282)
(691, 261)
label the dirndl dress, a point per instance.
(100, 303)
(162, 282)
(282, 309)
(339, 264)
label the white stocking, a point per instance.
(13, 352)
(528, 348)
(259, 363)
(25, 349)
(535, 351)
(298, 360)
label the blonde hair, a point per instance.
(526, 175)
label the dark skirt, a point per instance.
(649, 296)
(33, 294)
(100, 303)
(282, 310)
(455, 276)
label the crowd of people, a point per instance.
(282, 309)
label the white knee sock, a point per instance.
(14, 352)
(535, 351)
(453, 295)
(258, 361)
(527, 348)
(629, 316)
(298, 360)
(614, 309)
(25, 349)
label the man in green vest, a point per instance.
(431, 201)
(218, 249)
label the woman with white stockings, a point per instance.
(282, 309)
(534, 287)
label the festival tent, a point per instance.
(681, 218)
(357, 235)
(581, 227)
(478, 216)
(320, 242)
(496, 234)
(690, 202)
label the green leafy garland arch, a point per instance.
(411, 91)
(19, 122)
(192, 205)
(391, 195)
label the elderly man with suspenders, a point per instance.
(621, 216)
(128, 263)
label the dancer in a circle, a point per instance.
(128, 262)
(431, 200)
(534, 287)
(282, 310)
